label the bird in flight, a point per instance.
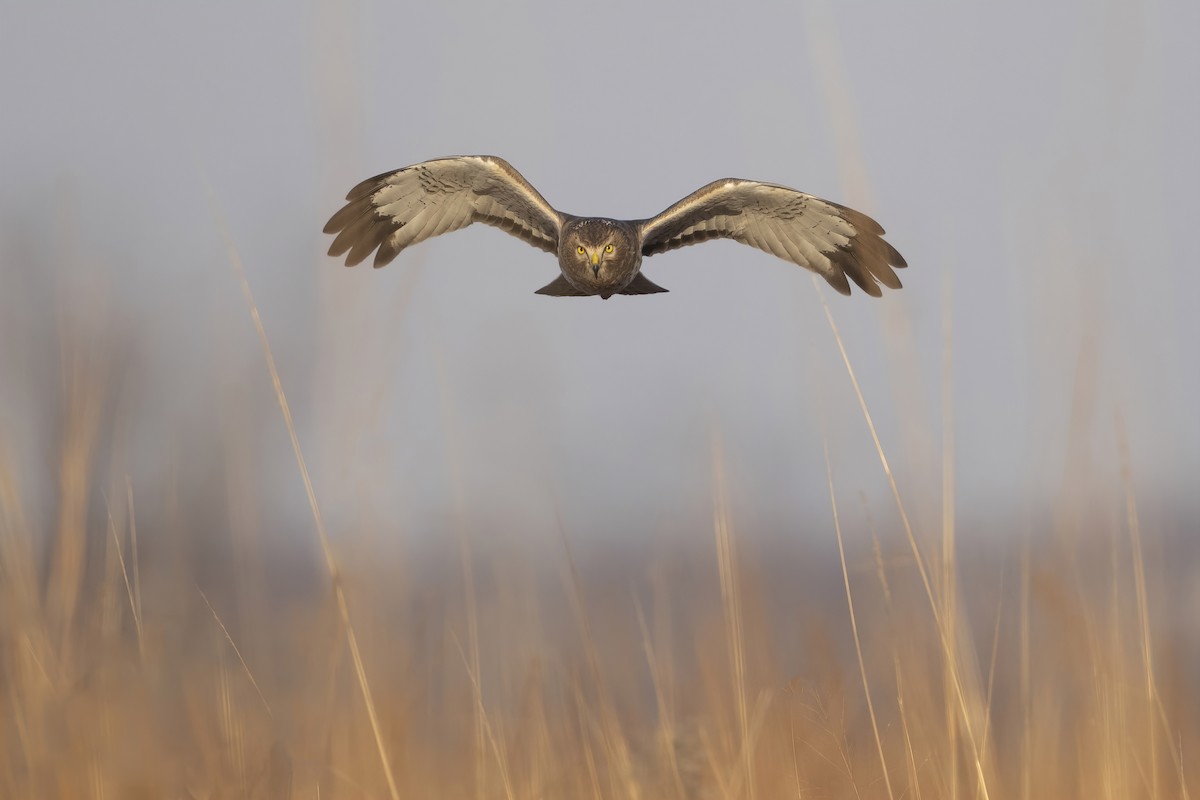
(600, 256)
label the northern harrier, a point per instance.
(601, 256)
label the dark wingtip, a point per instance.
(837, 279)
(364, 188)
(866, 282)
(859, 220)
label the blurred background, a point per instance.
(1039, 177)
(1034, 382)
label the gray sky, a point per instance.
(1036, 158)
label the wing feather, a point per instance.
(832, 240)
(356, 229)
(395, 210)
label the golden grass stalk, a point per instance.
(237, 652)
(858, 651)
(944, 634)
(731, 602)
(322, 535)
(133, 604)
(1143, 614)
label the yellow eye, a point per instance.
(579, 249)
(608, 248)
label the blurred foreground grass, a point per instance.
(179, 653)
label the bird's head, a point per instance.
(601, 250)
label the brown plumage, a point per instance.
(599, 256)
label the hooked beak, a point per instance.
(596, 264)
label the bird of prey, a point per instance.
(600, 256)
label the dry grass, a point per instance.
(155, 643)
(156, 654)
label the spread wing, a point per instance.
(401, 208)
(830, 239)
